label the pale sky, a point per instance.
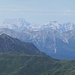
(38, 11)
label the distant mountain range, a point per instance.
(21, 25)
(21, 50)
(56, 40)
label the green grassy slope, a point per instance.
(21, 64)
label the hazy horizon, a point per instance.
(38, 11)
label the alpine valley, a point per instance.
(55, 39)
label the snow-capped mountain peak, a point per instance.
(15, 24)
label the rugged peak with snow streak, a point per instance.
(59, 27)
